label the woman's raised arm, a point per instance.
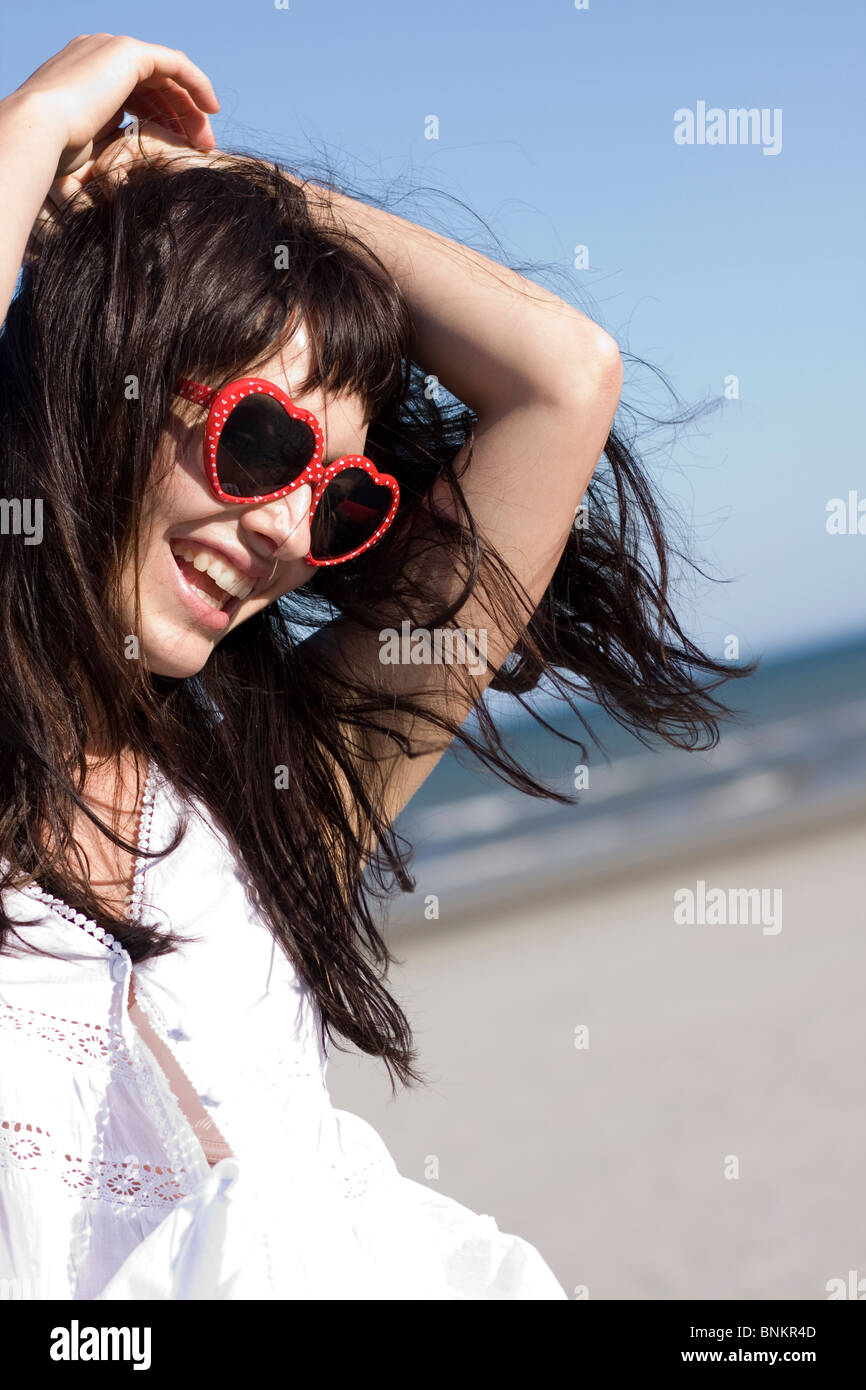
(544, 382)
(57, 122)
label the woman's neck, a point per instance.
(113, 791)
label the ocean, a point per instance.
(796, 752)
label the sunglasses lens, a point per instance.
(350, 512)
(262, 448)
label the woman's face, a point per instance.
(206, 566)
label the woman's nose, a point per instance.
(283, 525)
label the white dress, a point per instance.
(105, 1189)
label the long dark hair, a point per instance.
(175, 271)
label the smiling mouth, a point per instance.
(212, 578)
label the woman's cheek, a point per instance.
(300, 574)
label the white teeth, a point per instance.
(208, 598)
(225, 575)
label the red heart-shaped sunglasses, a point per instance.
(258, 446)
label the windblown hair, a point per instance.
(175, 272)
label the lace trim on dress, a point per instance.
(180, 1125)
(175, 1133)
(211, 1142)
(148, 1184)
(85, 1044)
(131, 1183)
(357, 1182)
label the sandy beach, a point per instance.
(713, 1050)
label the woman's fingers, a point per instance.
(166, 113)
(145, 104)
(172, 63)
(86, 87)
(179, 114)
(173, 110)
(96, 74)
(196, 125)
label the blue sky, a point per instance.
(556, 126)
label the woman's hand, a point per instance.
(76, 102)
(87, 86)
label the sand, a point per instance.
(713, 1050)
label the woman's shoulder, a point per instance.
(48, 966)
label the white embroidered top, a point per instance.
(110, 1187)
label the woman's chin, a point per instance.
(176, 668)
(178, 655)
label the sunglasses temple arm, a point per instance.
(195, 392)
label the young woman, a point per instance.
(228, 463)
